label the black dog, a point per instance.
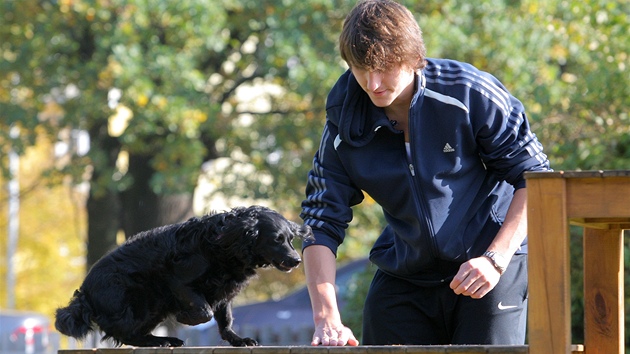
(190, 270)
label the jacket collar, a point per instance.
(356, 117)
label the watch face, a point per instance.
(498, 260)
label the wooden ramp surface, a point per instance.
(398, 349)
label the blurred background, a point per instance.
(117, 116)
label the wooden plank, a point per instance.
(603, 291)
(125, 350)
(230, 350)
(602, 223)
(309, 350)
(162, 350)
(393, 349)
(347, 350)
(425, 349)
(549, 283)
(272, 350)
(578, 174)
(595, 173)
(386, 349)
(546, 174)
(598, 197)
(185, 350)
(492, 349)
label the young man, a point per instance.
(442, 147)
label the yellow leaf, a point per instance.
(142, 100)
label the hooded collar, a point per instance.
(357, 118)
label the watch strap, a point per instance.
(492, 255)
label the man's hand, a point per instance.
(333, 335)
(475, 278)
(320, 269)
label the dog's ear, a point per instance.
(239, 226)
(304, 232)
(191, 232)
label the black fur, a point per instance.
(190, 270)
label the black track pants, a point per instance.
(399, 312)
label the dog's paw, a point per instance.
(167, 342)
(249, 342)
(172, 342)
(244, 342)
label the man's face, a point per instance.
(394, 86)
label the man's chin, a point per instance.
(381, 101)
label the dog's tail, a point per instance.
(76, 319)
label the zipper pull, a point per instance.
(413, 172)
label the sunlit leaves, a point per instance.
(566, 60)
(188, 73)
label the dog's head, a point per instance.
(274, 242)
(269, 236)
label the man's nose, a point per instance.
(373, 80)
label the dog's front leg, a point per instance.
(194, 309)
(223, 316)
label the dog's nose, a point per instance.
(293, 261)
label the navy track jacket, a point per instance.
(470, 144)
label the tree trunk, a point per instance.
(142, 208)
(103, 225)
(103, 204)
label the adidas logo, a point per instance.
(448, 148)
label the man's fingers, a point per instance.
(332, 338)
(475, 278)
(339, 337)
(353, 342)
(349, 339)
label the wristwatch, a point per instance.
(498, 261)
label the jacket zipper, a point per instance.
(417, 195)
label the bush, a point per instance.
(352, 313)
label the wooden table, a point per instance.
(599, 201)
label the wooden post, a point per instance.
(597, 201)
(603, 291)
(549, 281)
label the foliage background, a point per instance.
(165, 88)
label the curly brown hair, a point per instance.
(378, 35)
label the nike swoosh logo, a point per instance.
(506, 307)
